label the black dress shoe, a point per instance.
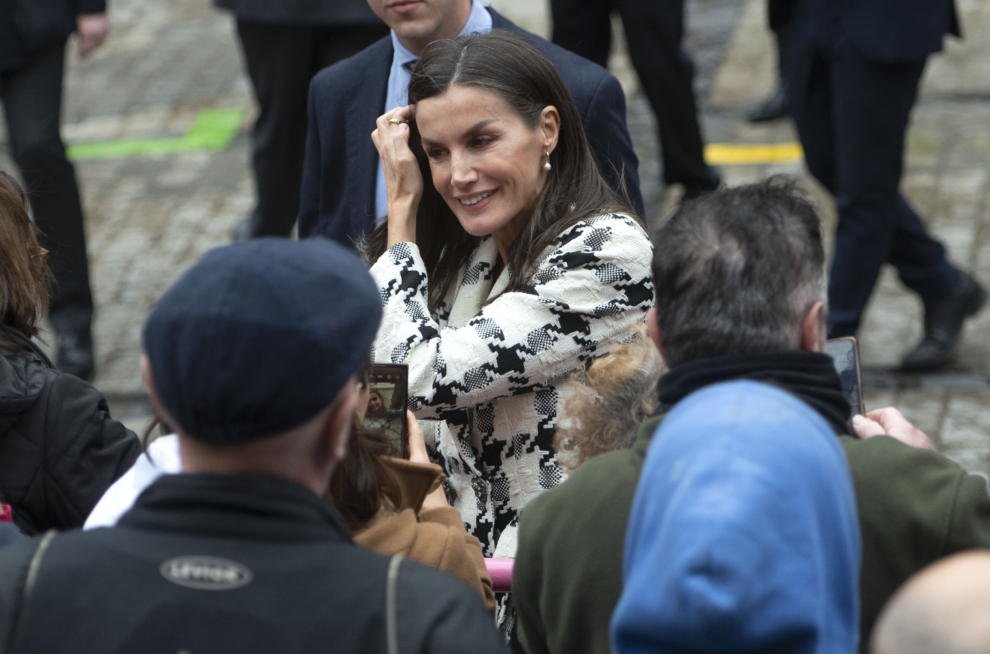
(773, 108)
(943, 325)
(694, 190)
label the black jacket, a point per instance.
(59, 448)
(302, 12)
(345, 100)
(31, 27)
(887, 31)
(10, 534)
(229, 563)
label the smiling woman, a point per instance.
(506, 265)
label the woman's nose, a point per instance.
(462, 170)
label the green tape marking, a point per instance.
(212, 131)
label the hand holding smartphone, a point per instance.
(388, 387)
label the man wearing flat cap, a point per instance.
(250, 357)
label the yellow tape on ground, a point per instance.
(737, 154)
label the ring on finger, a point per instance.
(394, 121)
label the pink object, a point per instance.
(7, 515)
(500, 570)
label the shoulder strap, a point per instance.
(34, 566)
(391, 590)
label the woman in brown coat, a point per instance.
(397, 506)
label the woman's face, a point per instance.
(362, 404)
(486, 162)
(374, 403)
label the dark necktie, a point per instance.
(409, 65)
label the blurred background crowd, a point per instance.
(165, 129)
(155, 198)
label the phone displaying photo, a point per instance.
(845, 357)
(388, 386)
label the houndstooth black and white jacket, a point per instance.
(494, 367)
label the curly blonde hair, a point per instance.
(615, 395)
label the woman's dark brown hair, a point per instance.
(508, 66)
(361, 485)
(23, 274)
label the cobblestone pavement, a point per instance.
(149, 217)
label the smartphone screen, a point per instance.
(845, 357)
(388, 390)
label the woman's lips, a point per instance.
(481, 204)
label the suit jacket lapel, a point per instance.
(363, 110)
(501, 22)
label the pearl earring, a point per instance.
(546, 165)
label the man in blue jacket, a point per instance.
(343, 191)
(853, 79)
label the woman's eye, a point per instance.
(482, 141)
(434, 154)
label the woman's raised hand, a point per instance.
(403, 179)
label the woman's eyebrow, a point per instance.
(468, 132)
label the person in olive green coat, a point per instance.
(740, 295)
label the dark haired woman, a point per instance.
(505, 265)
(59, 448)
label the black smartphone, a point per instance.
(845, 357)
(388, 387)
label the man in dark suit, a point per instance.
(343, 195)
(654, 32)
(284, 45)
(33, 34)
(854, 74)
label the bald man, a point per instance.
(944, 609)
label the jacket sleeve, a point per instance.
(608, 137)
(86, 451)
(586, 296)
(440, 615)
(915, 507)
(462, 555)
(526, 581)
(969, 527)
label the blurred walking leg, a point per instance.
(32, 98)
(584, 27)
(654, 33)
(281, 60)
(779, 16)
(852, 116)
